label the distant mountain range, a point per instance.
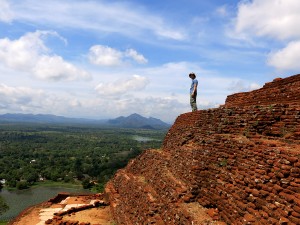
(40, 118)
(133, 121)
(137, 121)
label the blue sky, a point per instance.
(103, 59)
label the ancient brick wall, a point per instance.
(246, 161)
(241, 159)
(279, 91)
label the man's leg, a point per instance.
(193, 103)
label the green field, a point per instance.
(31, 154)
(35, 155)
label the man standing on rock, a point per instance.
(193, 91)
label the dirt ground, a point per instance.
(99, 215)
(31, 217)
(199, 215)
(94, 216)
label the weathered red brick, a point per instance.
(241, 205)
(264, 193)
(255, 192)
(296, 208)
(294, 219)
(292, 159)
(272, 220)
(283, 221)
(277, 188)
(295, 170)
(254, 212)
(280, 212)
(287, 197)
(249, 218)
(296, 214)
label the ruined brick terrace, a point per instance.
(236, 164)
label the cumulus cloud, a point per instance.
(121, 86)
(287, 58)
(242, 86)
(107, 56)
(30, 54)
(22, 54)
(276, 19)
(17, 98)
(165, 108)
(254, 86)
(104, 56)
(136, 56)
(6, 15)
(55, 68)
(20, 99)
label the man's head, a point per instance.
(192, 75)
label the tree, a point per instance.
(3, 206)
(68, 179)
(22, 185)
(77, 167)
(11, 182)
(31, 176)
(55, 175)
(100, 187)
(86, 183)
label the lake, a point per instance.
(142, 139)
(20, 199)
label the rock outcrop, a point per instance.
(236, 164)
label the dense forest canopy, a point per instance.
(31, 153)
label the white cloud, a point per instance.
(100, 16)
(278, 19)
(55, 68)
(20, 99)
(254, 86)
(30, 54)
(162, 90)
(237, 86)
(121, 86)
(6, 15)
(170, 33)
(136, 56)
(222, 11)
(104, 55)
(165, 108)
(16, 98)
(287, 58)
(22, 54)
(165, 97)
(107, 56)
